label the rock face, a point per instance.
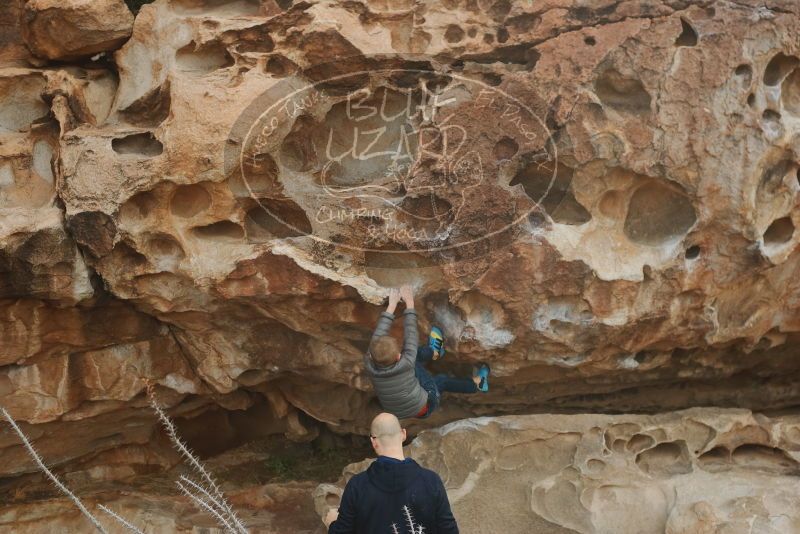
(79, 28)
(601, 202)
(689, 472)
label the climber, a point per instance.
(404, 387)
(395, 494)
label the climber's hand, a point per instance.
(394, 298)
(407, 294)
(332, 515)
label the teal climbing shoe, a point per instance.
(436, 342)
(483, 372)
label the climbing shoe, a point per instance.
(436, 342)
(483, 373)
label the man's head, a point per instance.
(384, 350)
(387, 436)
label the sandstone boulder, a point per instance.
(60, 30)
(689, 472)
(602, 202)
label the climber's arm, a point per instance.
(410, 331)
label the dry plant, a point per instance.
(204, 494)
(59, 485)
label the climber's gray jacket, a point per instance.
(397, 386)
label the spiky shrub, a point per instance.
(205, 494)
(60, 486)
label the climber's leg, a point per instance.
(450, 384)
(428, 383)
(480, 382)
(424, 354)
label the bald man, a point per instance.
(394, 495)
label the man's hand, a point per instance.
(394, 298)
(332, 515)
(407, 294)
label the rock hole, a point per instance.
(521, 54)
(595, 465)
(258, 177)
(751, 100)
(770, 115)
(472, 32)
(500, 10)
(204, 58)
(139, 206)
(189, 200)
(142, 144)
(640, 442)
(20, 104)
(658, 214)
(779, 232)
(225, 231)
(771, 124)
(387, 110)
(99, 93)
(745, 73)
(612, 204)
(772, 181)
(453, 33)
(276, 219)
(665, 459)
(502, 35)
(589, 40)
(558, 199)
(618, 445)
(220, 8)
(688, 36)
(280, 66)
(151, 109)
(505, 149)
(126, 255)
(790, 92)
(492, 78)
(255, 39)
(318, 47)
(622, 93)
(165, 252)
(297, 151)
(523, 23)
(398, 267)
(764, 458)
(43, 161)
(692, 253)
(715, 459)
(582, 13)
(488, 38)
(778, 67)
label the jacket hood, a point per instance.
(393, 477)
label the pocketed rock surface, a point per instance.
(687, 472)
(601, 202)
